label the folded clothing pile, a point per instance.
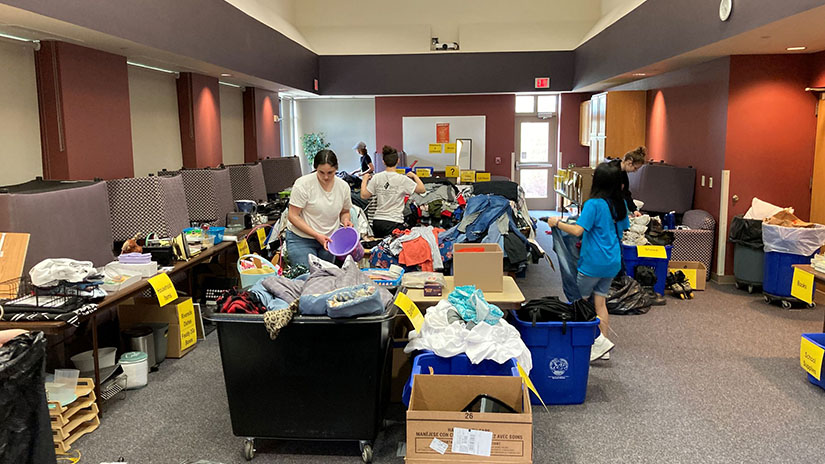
(635, 236)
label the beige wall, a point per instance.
(153, 102)
(20, 156)
(232, 124)
(344, 121)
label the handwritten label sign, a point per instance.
(164, 288)
(468, 176)
(401, 171)
(529, 383)
(449, 148)
(422, 172)
(451, 171)
(652, 251)
(435, 148)
(410, 309)
(810, 358)
(261, 237)
(243, 247)
(186, 321)
(802, 286)
(482, 177)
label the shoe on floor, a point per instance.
(600, 347)
(605, 357)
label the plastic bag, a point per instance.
(793, 240)
(747, 232)
(418, 279)
(626, 296)
(762, 209)
(470, 303)
(25, 431)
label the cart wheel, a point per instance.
(786, 304)
(737, 286)
(767, 299)
(811, 305)
(366, 453)
(249, 448)
(750, 288)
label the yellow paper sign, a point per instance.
(482, 177)
(186, 321)
(651, 251)
(410, 309)
(164, 288)
(810, 358)
(435, 148)
(468, 176)
(449, 148)
(802, 286)
(243, 247)
(401, 171)
(451, 171)
(690, 275)
(422, 172)
(261, 237)
(529, 383)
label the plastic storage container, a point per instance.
(252, 275)
(85, 361)
(561, 358)
(321, 379)
(819, 340)
(160, 335)
(217, 232)
(141, 339)
(631, 260)
(456, 365)
(136, 366)
(778, 275)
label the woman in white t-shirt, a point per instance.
(389, 189)
(319, 204)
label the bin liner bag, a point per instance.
(747, 232)
(551, 309)
(626, 296)
(793, 240)
(25, 432)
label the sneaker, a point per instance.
(605, 357)
(600, 347)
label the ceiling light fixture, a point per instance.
(35, 43)
(153, 68)
(796, 49)
(226, 75)
(230, 85)
(640, 74)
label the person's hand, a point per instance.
(323, 240)
(411, 175)
(636, 214)
(367, 177)
(346, 223)
(553, 221)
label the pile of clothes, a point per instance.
(416, 248)
(439, 206)
(635, 236)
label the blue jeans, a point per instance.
(589, 286)
(298, 248)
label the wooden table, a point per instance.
(509, 298)
(819, 277)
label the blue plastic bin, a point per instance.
(561, 358)
(217, 232)
(457, 365)
(631, 260)
(778, 275)
(819, 340)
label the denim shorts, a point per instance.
(298, 248)
(593, 285)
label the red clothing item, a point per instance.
(415, 252)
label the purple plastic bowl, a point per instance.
(346, 241)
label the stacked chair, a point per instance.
(208, 194)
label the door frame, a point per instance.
(548, 203)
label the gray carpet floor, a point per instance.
(715, 379)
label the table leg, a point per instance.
(95, 357)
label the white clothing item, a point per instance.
(360, 221)
(389, 189)
(48, 272)
(321, 209)
(499, 342)
(428, 235)
(762, 209)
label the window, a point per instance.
(547, 103)
(541, 104)
(525, 104)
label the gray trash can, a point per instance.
(748, 252)
(160, 334)
(140, 338)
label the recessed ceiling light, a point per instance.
(796, 49)
(226, 75)
(640, 74)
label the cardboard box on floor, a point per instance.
(435, 410)
(484, 269)
(695, 272)
(179, 314)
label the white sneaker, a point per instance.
(601, 347)
(606, 356)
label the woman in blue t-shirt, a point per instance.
(602, 222)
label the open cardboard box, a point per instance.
(435, 410)
(695, 272)
(180, 314)
(484, 269)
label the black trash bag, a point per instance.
(551, 309)
(627, 297)
(657, 235)
(747, 232)
(645, 275)
(25, 431)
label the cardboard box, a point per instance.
(179, 314)
(695, 272)
(435, 411)
(484, 269)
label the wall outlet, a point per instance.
(498, 160)
(710, 182)
(703, 181)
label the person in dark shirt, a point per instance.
(631, 162)
(366, 162)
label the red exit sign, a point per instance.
(542, 82)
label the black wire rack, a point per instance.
(20, 295)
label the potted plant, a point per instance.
(313, 143)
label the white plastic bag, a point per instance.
(762, 209)
(794, 240)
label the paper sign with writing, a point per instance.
(482, 177)
(810, 358)
(410, 309)
(529, 383)
(468, 176)
(651, 251)
(451, 171)
(261, 237)
(422, 172)
(401, 171)
(435, 148)
(690, 275)
(186, 321)
(164, 288)
(802, 286)
(449, 148)
(442, 132)
(243, 247)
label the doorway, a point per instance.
(818, 181)
(536, 151)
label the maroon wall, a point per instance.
(818, 70)
(572, 151)
(83, 96)
(262, 138)
(500, 111)
(199, 111)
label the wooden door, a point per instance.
(818, 184)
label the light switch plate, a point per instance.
(703, 181)
(710, 182)
(498, 160)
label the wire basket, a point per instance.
(21, 296)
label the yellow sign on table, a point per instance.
(164, 288)
(468, 176)
(435, 148)
(482, 177)
(422, 172)
(810, 358)
(653, 251)
(243, 247)
(401, 171)
(261, 237)
(451, 171)
(449, 148)
(186, 321)
(410, 309)
(529, 383)
(802, 286)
